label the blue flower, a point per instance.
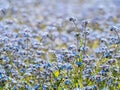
(67, 82)
(108, 55)
(79, 64)
(62, 67)
(44, 87)
(95, 87)
(37, 65)
(47, 65)
(27, 87)
(76, 54)
(69, 67)
(36, 87)
(26, 35)
(22, 70)
(15, 88)
(1, 75)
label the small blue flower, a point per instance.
(47, 65)
(67, 82)
(76, 54)
(60, 58)
(37, 65)
(36, 87)
(62, 67)
(26, 35)
(1, 75)
(79, 64)
(108, 55)
(15, 88)
(95, 87)
(69, 67)
(44, 87)
(27, 87)
(22, 70)
(20, 41)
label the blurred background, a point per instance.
(52, 9)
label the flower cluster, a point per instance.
(44, 48)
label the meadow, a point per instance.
(59, 45)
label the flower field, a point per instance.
(59, 45)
